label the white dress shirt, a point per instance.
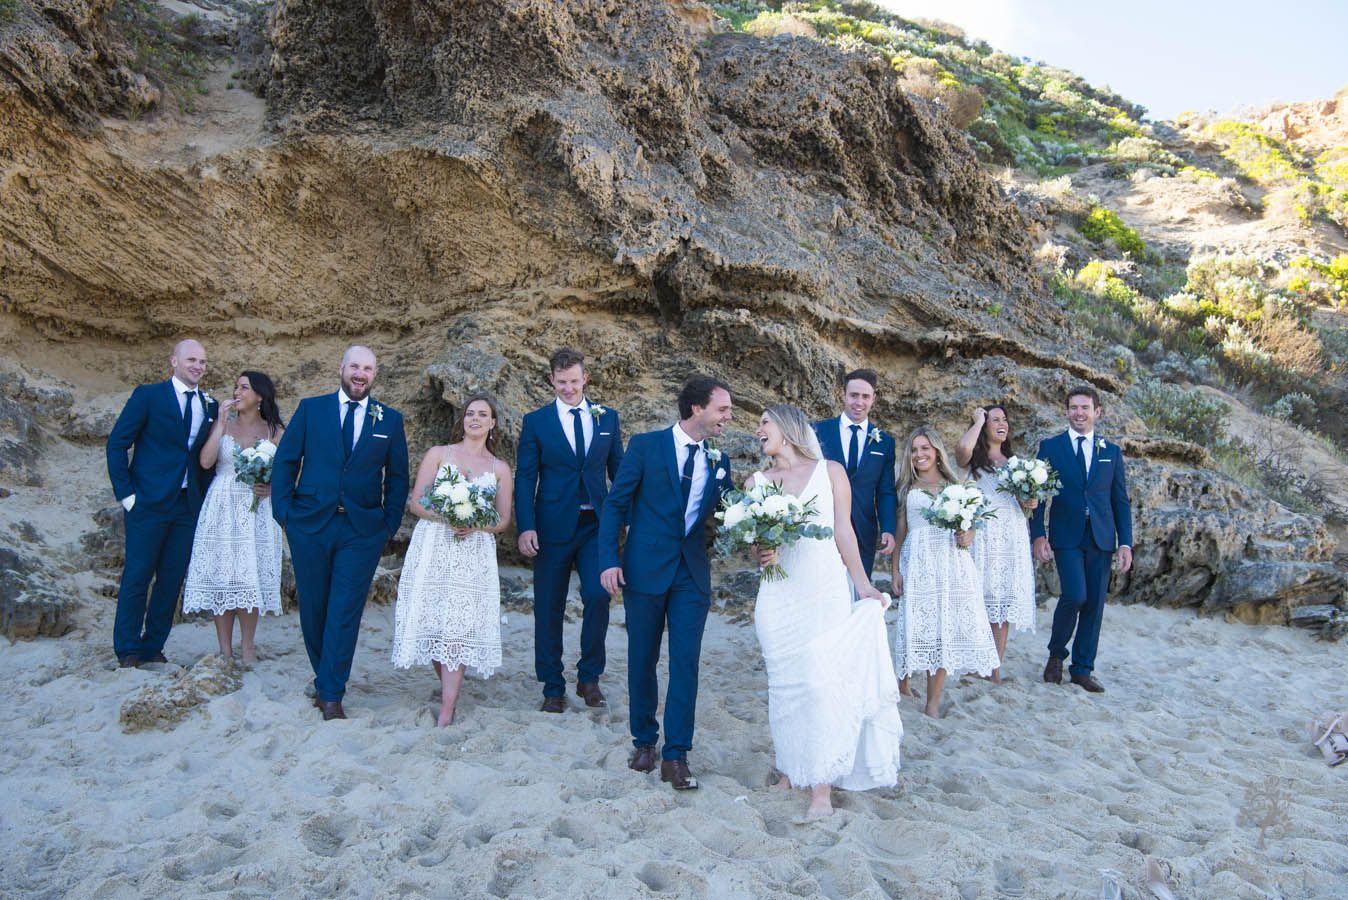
(700, 472)
(586, 422)
(1087, 449)
(845, 433)
(360, 413)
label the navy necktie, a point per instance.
(1081, 455)
(187, 414)
(852, 450)
(349, 428)
(687, 482)
(579, 433)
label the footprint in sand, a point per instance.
(660, 877)
(325, 835)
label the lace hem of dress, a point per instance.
(842, 765)
(955, 662)
(1011, 612)
(221, 602)
(481, 660)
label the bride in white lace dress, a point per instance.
(449, 593)
(832, 696)
(235, 567)
(1002, 546)
(942, 627)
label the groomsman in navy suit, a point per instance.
(1087, 520)
(669, 482)
(568, 452)
(868, 455)
(163, 425)
(339, 484)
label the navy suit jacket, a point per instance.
(371, 485)
(646, 496)
(551, 484)
(1104, 494)
(151, 423)
(874, 500)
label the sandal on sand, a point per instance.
(1333, 742)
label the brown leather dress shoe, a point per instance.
(553, 705)
(332, 709)
(1053, 670)
(1088, 683)
(643, 760)
(157, 658)
(130, 661)
(675, 771)
(589, 691)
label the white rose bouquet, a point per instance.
(462, 503)
(1028, 479)
(959, 507)
(767, 516)
(252, 465)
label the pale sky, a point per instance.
(1169, 56)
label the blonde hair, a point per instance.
(796, 429)
(908, 475)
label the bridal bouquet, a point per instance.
(959, 507)
(464, 504)
(767, 516)
(1028, 479)
(252, 465)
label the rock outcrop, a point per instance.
(163, 703)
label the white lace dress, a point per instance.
(1002, 553)
(449, 600)
(942, 623)
(236, 553)
(832, 694)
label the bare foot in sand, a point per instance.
(821, 803)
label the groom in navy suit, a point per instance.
(339, 484)
(1087, 520)
(161, 488)
(568, 451)
(669, 482)
(868, 455)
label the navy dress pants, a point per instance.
(158, 545)
(1084, 573)
(552, 576)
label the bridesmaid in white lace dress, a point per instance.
(1002, 546)
(942, 626)
(832, 696)
(449, 593)
(235, 568)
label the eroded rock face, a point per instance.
(33, 603)
(162, 704)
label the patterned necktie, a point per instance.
(349, 428)
(187, 414)
(1081, 455)
(852, 448)
(687, 482)
(579, 433)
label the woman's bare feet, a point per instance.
(446, 716)
(821, 803)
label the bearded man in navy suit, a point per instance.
(867, 453)
(339, 484)
(163, 426)
(669, 482)
(568, 451)
(1089, 518)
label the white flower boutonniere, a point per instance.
(875, 436)
(1099, 443)
(375, 412)
(597, 411)
(713, 452)
(206, 398)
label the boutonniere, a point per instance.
(375, 412)
(597, 411)
(206, 398)
(713, 453)
(1099, 443)
(875, 436)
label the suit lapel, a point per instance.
(594, 432)
(1095, 464)
(559, 435)
(671, 451)
(366, 429)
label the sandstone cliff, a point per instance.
(467, 185)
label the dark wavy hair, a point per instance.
(979, 459)
(697, 391)
(493, 436)
(263, 387)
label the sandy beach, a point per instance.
(1023, 790)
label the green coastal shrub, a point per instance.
(1103, 225)
(1185, 414)
(1294, 407)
